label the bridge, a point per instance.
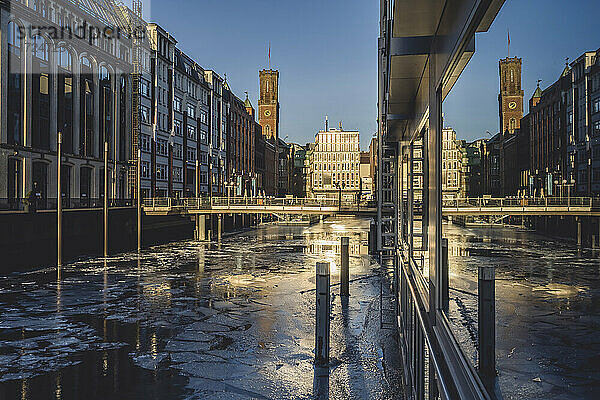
(549, 206)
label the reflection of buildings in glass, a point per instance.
(70, 85)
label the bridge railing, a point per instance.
(483, 202)
(206, 203)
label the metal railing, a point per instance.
(42, 204)
(211, 203)
(484, 202)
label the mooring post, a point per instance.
(219, 227)
(445, 277)
(59, 204)
(578, 231)
(322, 314)
(139, 199)
(345, 267)
(487, 326)
(105, 199)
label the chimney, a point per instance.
(326, 123)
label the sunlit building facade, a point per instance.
(336, 164)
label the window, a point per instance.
(145, 88)
(177, 104)
(15, 84)
(191, 154)
(203, 117)
(177, 174)
(191, 110)
(597, 127)
(191, 132)
(145, 114)
(145, 169)
(162, 147)
(596, 105)
(177, 128)
(178, 151)
(161, 172)
(145, 142)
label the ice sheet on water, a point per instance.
(148, 361)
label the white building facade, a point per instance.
(336, 164)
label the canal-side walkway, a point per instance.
(196, 321)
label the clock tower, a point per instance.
(510, 99)
(268, 103)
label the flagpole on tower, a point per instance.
(508, 43)
(269, 55)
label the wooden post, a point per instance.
(322, 315)
(345, 267)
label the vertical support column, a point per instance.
(200, 227)
(434, 206)
(59, 202)
(345, 267)
(322, 314)
(487, 326)
(105, 199)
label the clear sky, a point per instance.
(326, 52)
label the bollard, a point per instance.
(445, 277)
(486, 319)
(59, 203)
(372, 238)
(219, 227)
(578, 231)
(322, 314)
(345, 267)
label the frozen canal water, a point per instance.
(547, 310)
(195, 321)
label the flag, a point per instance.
(508, 34)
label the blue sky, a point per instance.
(326, 52)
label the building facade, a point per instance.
(336, 160)
(451, 165)
(53, 82)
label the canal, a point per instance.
(547, 310)
(194, 320)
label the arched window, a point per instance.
(15, 84)
(86, 85)
(513, 125)
(40, 129)
(65, 98)
(105, 111)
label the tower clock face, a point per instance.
(512, 105)
(267, 113)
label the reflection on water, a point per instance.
(174, 319)
(547, 309)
